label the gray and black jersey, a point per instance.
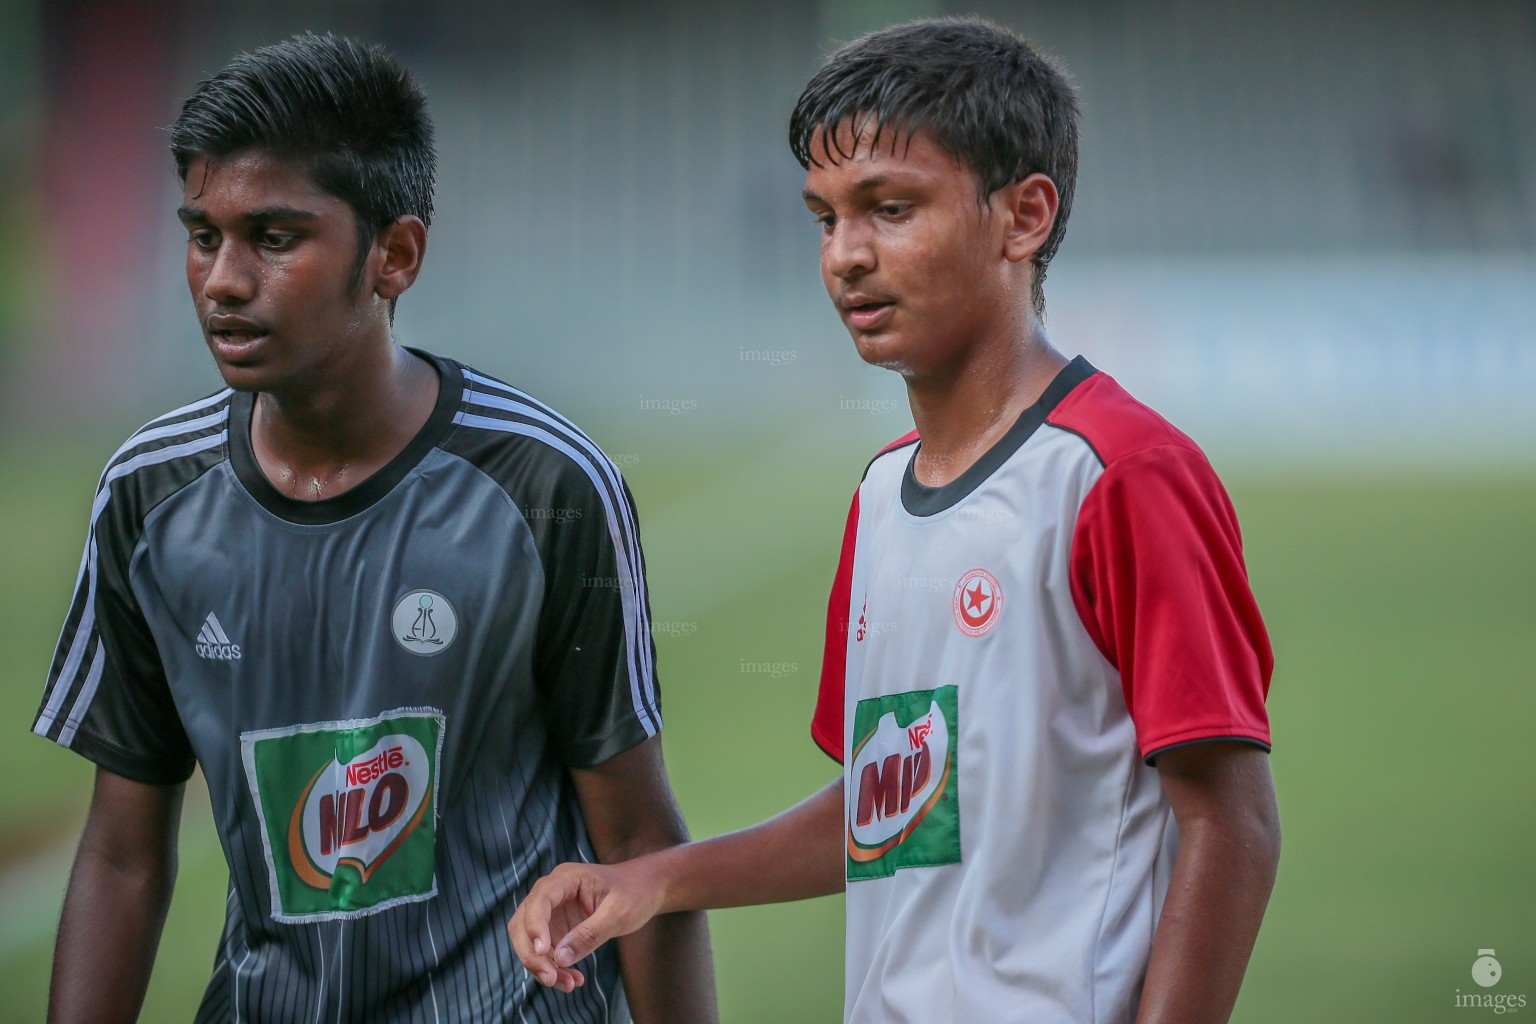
(383, 689)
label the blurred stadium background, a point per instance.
(1305, 230)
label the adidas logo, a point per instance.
(213, 643)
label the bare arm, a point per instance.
(115, 906)
(630, 811)
(577, 907)
(1229, 849)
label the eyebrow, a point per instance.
(864, 184)
(265, 215)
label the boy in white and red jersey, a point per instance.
(1045, 671)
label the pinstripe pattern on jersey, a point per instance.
(531, 418)
(176, 435)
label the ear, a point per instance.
(397, 255)
(1028, 208)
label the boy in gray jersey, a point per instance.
(352, 588)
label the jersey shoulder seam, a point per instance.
(160, 429)
(1174, 441)
(905, 441)
(545, 420)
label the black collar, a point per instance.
(922, 500)
(242, 456)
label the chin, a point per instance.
(245, 386)
(241, 378)
(877, 350)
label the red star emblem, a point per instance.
(978, 602)
(975, 600)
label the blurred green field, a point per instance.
(1402, 611)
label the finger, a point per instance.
(531, 948)
(522, 942)
(545, 971)
(579, 943)
(542, 968)
(570, 979)
(529, 930)
(534, 913)
(551, 895)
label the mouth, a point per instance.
(235, 346)
(233, 338)
(866, 316)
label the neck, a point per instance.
(324, 439)
(963, 411)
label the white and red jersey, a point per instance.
(1006, 656)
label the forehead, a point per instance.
(860, 150)
(254, 179)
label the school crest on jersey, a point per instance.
(978, 601)
(903, 783)
(424, 622)
(348, 812)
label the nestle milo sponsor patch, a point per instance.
(903, 798)
(348, 812)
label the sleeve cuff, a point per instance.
(1151, 757)
(833, 749)
(120, 762)
(595, 751)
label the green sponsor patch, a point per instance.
(348, 812)
(903, 783)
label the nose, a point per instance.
(230, 279)
(847, 251)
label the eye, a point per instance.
(826, 220)
(893, 209)
(207, 241)
(276, 240)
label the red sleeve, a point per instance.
(827, 723)
(1159, 582)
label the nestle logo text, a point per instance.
(363, 772)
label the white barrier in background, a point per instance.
(1405, 358)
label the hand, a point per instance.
(576, 908)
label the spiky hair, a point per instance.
(982, 92)
(345, 111)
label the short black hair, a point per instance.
(983, 92)
(345, 111)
